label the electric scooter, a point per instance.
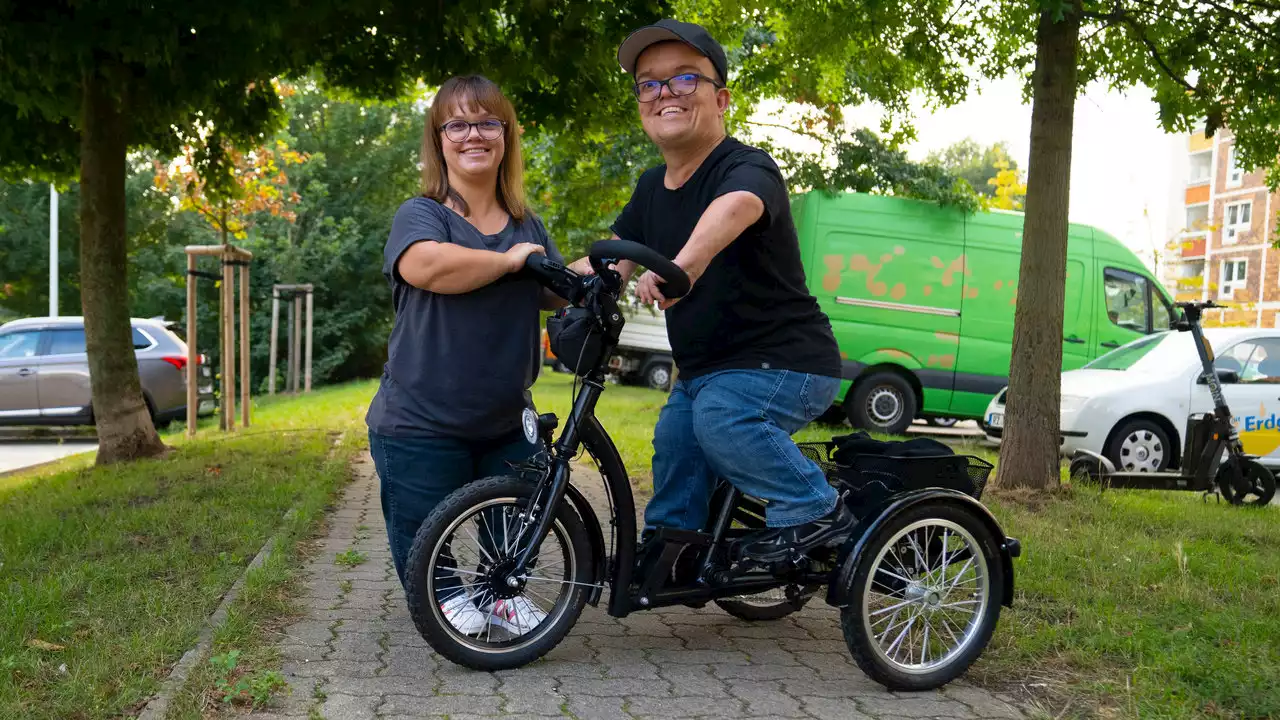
(1214, 461)
(919, 581)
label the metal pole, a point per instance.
(275, 330)
(244, 343)
(53, 251)
(224, 324)
(193, 374)
(297, 342)
(309, 314)
(288, 341)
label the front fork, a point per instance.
(548, 495)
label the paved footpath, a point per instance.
(356, 655)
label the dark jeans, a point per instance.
(415, 474)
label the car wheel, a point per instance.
(1140, 446)
(945, 422)
(883, 402)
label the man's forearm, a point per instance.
(723, 221)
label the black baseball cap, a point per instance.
(693, 35)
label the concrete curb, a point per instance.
(158, 706)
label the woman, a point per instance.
(464, 349)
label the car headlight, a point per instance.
(1072, 403)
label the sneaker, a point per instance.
(518, 615)
(463, 614)
(786, 543)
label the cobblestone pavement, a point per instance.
(356, 655)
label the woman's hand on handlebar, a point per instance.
(519, 254)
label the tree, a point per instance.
(116, 75)
(818, 58)
(255, 182)
(1201, 59)
(1006, 187)
(975, 164)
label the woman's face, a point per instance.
(474, 151)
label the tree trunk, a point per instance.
(125, 429)
(1029, 451)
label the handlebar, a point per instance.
(571, 286)
(675, 280)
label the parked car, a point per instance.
(44, 372)
(921, 300)
(1132, 404)
(992, 421)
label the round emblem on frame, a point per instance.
(529, 421)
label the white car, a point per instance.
(1132, 404)
(993, 419)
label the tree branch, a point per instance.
(1120, 17)
(806, 133)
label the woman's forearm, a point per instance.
(450, 269)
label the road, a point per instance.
(19, 454)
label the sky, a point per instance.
(1121, 164)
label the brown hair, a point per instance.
(479, 91)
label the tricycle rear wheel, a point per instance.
(923, 598)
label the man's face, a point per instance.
(671, 120)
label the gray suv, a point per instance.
(44, 372)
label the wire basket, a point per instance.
(883, 474)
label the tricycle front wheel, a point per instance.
(463, 595)
(923, 600)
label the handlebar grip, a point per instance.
(676, 281)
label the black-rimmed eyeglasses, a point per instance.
(458, 130)
(684, 84)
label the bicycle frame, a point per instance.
(582, 428)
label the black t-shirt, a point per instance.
(751, 308)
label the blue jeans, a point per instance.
(416, 473)
(737, 425)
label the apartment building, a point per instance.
(1224, 251)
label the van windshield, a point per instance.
(1142, 351)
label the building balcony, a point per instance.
(1197, 193)
(1192, 245)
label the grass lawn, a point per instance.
(1129, 604)
(108, 573)
(1142, 604)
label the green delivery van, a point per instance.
(921, 299)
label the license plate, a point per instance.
(996, 420)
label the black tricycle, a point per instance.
(1213, 459)
(501, 569)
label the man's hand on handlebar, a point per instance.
(582, 266)
(649, 290)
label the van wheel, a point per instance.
(882, 403)
(658, 376)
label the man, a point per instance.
(756, 355)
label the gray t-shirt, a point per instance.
(458, 365)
